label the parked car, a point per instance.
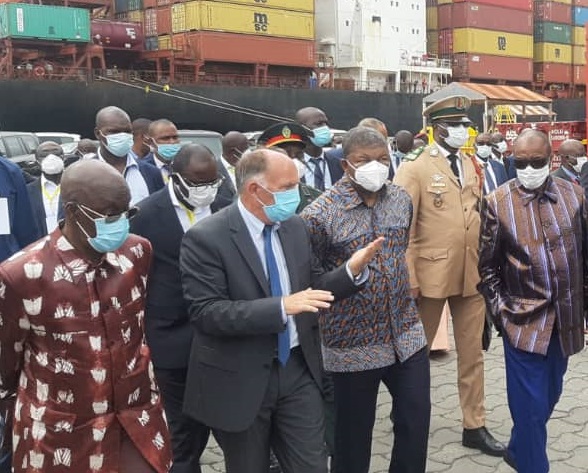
(211, 139)
(68, 141)
(19, 147)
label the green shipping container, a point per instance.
(44, 22)
(547, 32)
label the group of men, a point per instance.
(265, 294)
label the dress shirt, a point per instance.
(163, 167)
(490, 182)
(396, 157)
(379, 325)
(255, 227)
(446, 154)
(134, 178)
(309, 173)
(230, 170)
(187, 217)
(533, 263)
(50, 192)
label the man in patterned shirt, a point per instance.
(533, 265)
(72, 339)
(376, 335)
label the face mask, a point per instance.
(301, 168)
(457, 136)
(371, 176)
(533, 178)
(484, 151)
(322, 136)
(201, 196)
(168, 151)
(502, 147)
(285, 205)
(109, 236)
(580, 162)
(52, 165)
(119, 144)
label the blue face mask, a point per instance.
(168, 151)
(285, 205)
(322, 136)
(110, 236)
(119, 144)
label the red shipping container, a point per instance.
(150, 22)
(161, 3)
(482, 66)
(164, 20)
(526, 5)
(579, 75)
(118, 35)
(553, 73)
(149, 4)
(581, 3)
(445, 43)
(486, 17)
(553, 11)
(250, 49)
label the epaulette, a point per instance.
(414, 154)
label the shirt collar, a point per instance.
(570, 173)
(158, 162)
(174, 198)
(46, 183)
(308, 157)
(254, 225)
(131, 162)
(445, 153)
(528, 196)
(226, 164)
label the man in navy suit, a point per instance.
(164, 140)
(494, 172)
(573, 158)
(141, 149)
(189, 197)
(323, 169)
(114, 131)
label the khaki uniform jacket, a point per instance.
(442, 254)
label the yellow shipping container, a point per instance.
(579, 35)
(164, 42)
(444, 2)
(136, 15)
(567, 2)
(296, 5)
(233, 18)
(433, 42)
(432, 18)
(553, 52)
(579, 55)
(495, 43)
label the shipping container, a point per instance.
(164, 42)
(526, 5)
(433, 43)
(486, 17)
(249, 49)
(548, 32)
(118, 35)
(554, 53)
(579, 55)
(135, 16)
(444, 2)
(127, 5)
(150, 22)
(162, 3)
(164, 20)
(580, 16)
(432, 19)
(232, 18)
(149, 4)
(579, 35)
(555, 12)
(494, 43)
(482, 66)
(433, 3)
(579, 75)
(44, 22)
(553, 73)
(581, 3)
(151, 43)
(293, 5)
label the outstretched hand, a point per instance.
(361, 258)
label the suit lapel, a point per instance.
(169, 215)
(40, 204)
(244, 244)
(289, 249)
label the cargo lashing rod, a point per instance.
(166, 91)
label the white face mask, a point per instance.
(301, 168)
(502, 147)
(533, 178)
(580, 162)
(201, 196)
(52, 165)
(371, 176)
(457, 136)
(483, 151)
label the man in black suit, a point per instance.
(164, 217)
(235, 144)
(164, 140)
(44, 192)
(573, 158)
(255, 367)
(323, 169)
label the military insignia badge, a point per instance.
(460, 103)
(434, 152)
(438, 200)
(286, 132)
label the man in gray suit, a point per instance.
(255, 370)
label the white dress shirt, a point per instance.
(134, 178)
(309, 174)
(490, 182)
(50, 192)
(187, 217)
(446, 154)
(230, 170)
(163, 167)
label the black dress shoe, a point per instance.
(482, 440)
(509, 460)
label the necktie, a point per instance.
(319, 176)
(453, 160)
(166, 172)
(276, 290)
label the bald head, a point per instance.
(532, 143)
(404, 141)
(311, 117)
(262, 165)
(572, 153)
(111, 114)
(86, 146)
(194, 156)
(234, 145)
(46, 148)
(497, 137)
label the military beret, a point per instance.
(284, 133)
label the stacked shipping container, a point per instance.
(579, 19)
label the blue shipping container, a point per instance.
(580, 16)
(151, 43)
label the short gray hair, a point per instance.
(362, 137)
(251, 166)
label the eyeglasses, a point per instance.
(129, 214)
(213, 184)
(535, 163)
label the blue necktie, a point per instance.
(276, 290)
(319, 175)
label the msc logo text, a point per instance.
(260, 22)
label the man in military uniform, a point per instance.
(443, 254)
(292, 138)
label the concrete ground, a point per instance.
(568, 428)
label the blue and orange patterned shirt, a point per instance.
(380, 324)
